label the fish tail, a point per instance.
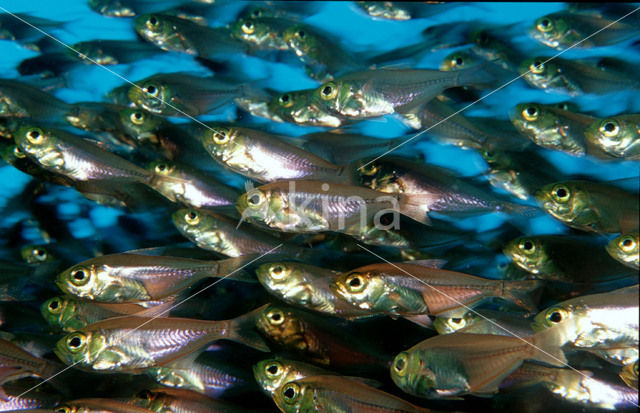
(231, 268)
(416, 206)
(525, 211)
(521, 293)
(243, 330)
(547, 347)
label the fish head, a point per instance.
(277, 274)
(300, 40)
(624, 248)
(528, 253)
(39, 144)
(411, 374)
(270, 374)
(192, 223)
(224, 142)
(613, 136)
(81, 280)
(362, 289)
(560, 316)
(283, 326)
(533, 120)
(80, 348)
(459, 60)
(138, 122)
(540, 72)
(150, 95)
(290, 397)
(111, 8)
(566, 202)
(259, 205)
(53, 311)
(549, 30)
(448, 325)
(35, 254)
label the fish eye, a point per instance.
(220, 137)
(627, 244)
(400, 364)
(248, 27)
(35, 136)
(530, 113)
(76, 341)
(54, 306)
(63, 409)
(273, 369)
(610, 128)
(152, 21)
(355, 283)
(545, 25)
(457, 321)
(555, 316)
(285, 100)
(537, 67)
(561, 193)
(79, 276)
(162, 168)
(137, 118)
(527, 246)
(290, 392)
(192, 217)
(256, 198)
(277, 272)
(457, 61)
(39, 253)
(276, 317)
(301, 34)
(18, 153)
(151, 90)
(489, 155)
(257, 12)
(370, 169)
(328, 91)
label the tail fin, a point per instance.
(243, 330)
(231, 268)
(548, 347)
(521, 293)
(416, 206)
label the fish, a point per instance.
(546, 256)
(71, 314)
(322, 53)
(520, 173)
(485, 322)
(450, 194)
(262, 33)
(450, 365)
(580, 387)
(192, 188)
(605, 324)
(553, 128)
(305, 286)
(335, 393)
(130, 277)
(202, 373)
(14, 28)
(113, 52)
(20, 100)
(618, 136)
(373, 93)
(629, 374)
(414, 288)
(134, 344)
(303, 107)
(266, 158)
(577, 77)
(319, 340)
(172, 400)
(565, 29)
(402, 10)
(590, 206)
(176, 34)
(184, 95)
(274, 372)
(218, 233)
(97, 405)
(624, 249)
(325, 207)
